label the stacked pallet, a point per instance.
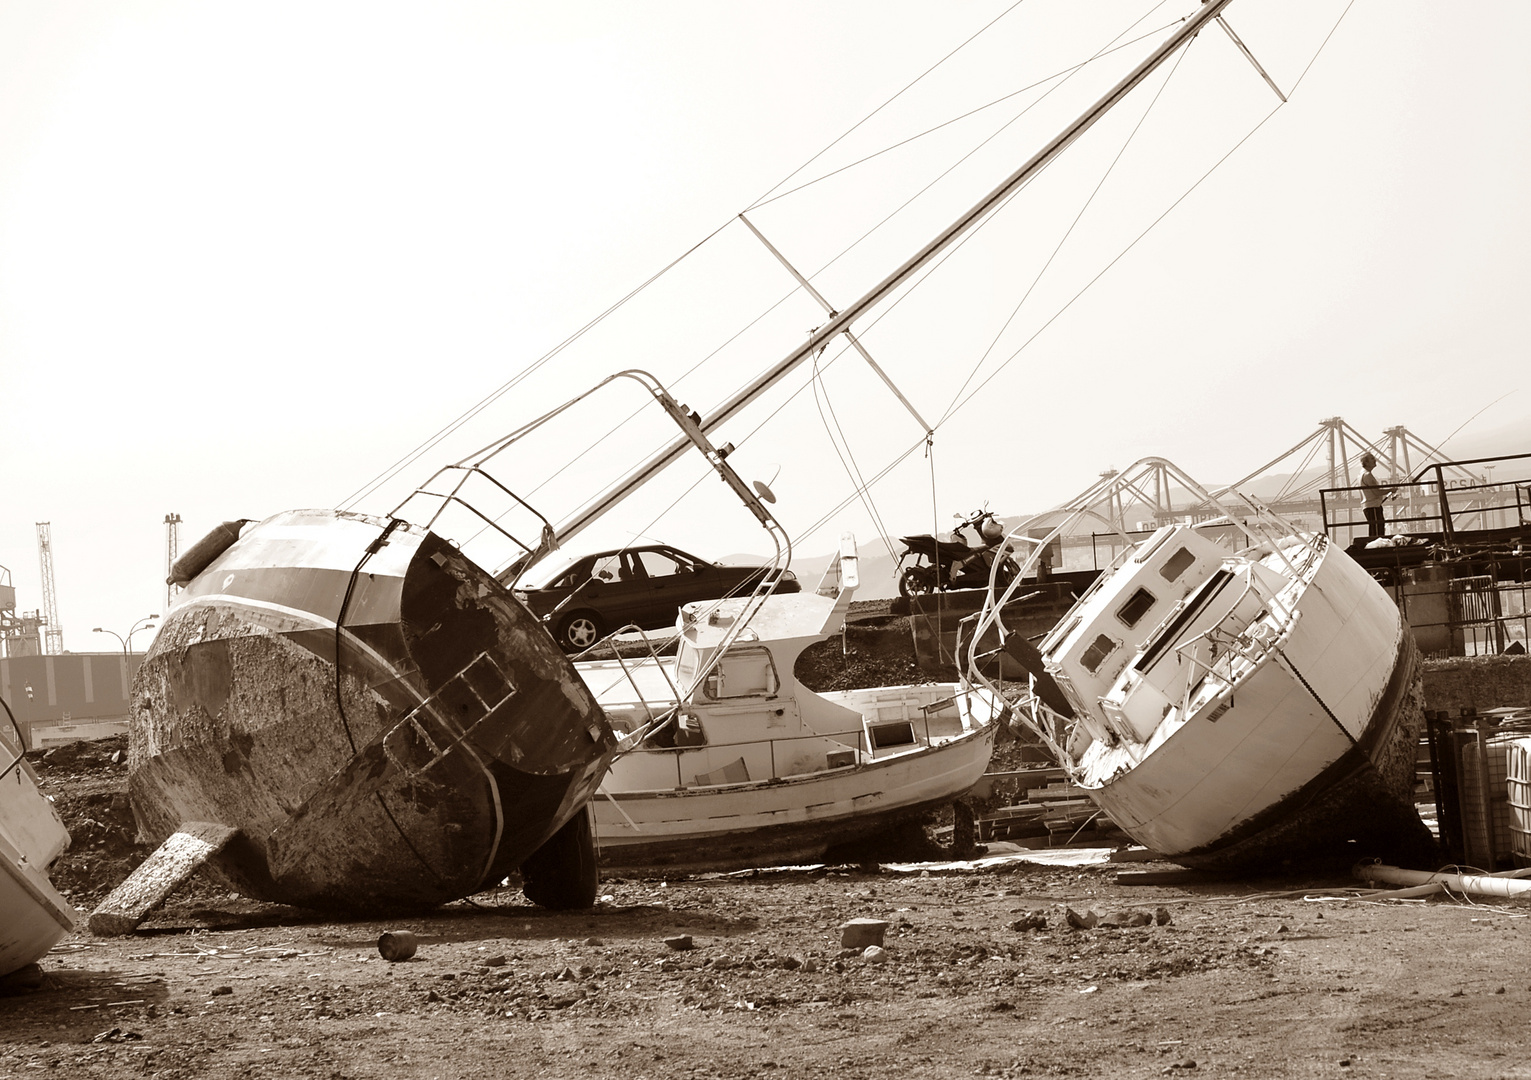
(1053, 814)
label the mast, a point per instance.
(841, 321)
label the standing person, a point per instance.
(1371, 498)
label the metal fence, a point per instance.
(1456, 555)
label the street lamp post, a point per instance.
(146, 623)
(127, 642)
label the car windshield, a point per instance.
(541, 575)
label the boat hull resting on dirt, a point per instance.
(33, 914)
(1236, 709)
(751, 768)
(384, 723)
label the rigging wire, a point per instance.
(447, 430)
(1286, 488)
(847, 459)
(1104, 50)
(846, 134)
(434, 440)
(958, 406)
(952, 411)
(1060, 73)
(1169, 77)
(1473, 417)
(1152, 225)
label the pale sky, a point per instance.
(252, 254)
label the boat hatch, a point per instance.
(1096, 654)
(1139, 604)
(742, 673)
(1177, 564)
(899, 733)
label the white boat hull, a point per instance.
(783, 821)
(1315, 751)
(33, 915)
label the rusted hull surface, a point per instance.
(449, 739)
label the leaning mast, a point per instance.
(841, 322)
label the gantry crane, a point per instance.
(172, 552)
(53, 631)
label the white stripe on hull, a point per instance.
(942, 772)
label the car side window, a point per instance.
(607, 569)
(657, 565)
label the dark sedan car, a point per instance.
(643, 586)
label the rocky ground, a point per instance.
(986, 969)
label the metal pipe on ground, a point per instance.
(1506, 884)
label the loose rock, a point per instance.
(1085, 921)
(859, 933)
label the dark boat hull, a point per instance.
(415, 754)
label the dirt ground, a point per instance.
(981, 974)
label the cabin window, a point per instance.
(742, 673)
(1135, 608)
(1096, 654)
(1176, 564)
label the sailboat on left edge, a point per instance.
(33, 915)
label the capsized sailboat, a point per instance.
(751, 768)
(1229, 708)
(34, 916)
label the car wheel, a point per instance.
(579, 630)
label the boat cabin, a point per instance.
(1144, 645)
(748, 719)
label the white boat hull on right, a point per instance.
(1320, 737)
(1238, 709)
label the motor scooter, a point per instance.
(956, 563)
